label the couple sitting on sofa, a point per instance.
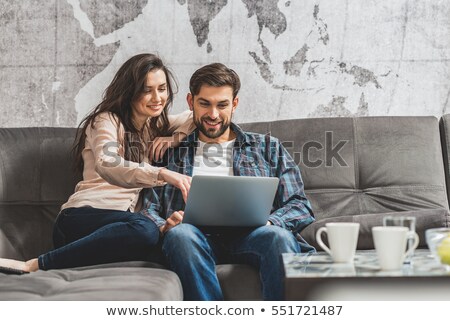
(118, 214)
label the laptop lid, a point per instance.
(230, 201)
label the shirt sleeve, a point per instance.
(294, 210)
(108, 154)
(152, 205)
(182, 123)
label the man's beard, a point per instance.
(211, 133)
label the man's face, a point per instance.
(213, 108)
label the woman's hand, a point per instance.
(173, 220)
(181, 181)
(161, 144)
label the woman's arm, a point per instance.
(108, 157)
(180, 125)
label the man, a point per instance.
(193, 254)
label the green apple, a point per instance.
(443, 250)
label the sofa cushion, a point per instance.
(425, 219)
(128, 281)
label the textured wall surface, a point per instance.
(297, 58)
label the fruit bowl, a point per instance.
(438, 241)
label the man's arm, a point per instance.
(152, 208)
(294, 211)
(151, 205)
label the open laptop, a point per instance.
(224, 201)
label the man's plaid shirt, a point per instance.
(253, 155)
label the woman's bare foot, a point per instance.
(28, 266)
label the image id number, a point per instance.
(306, 310)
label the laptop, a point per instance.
(230, 201)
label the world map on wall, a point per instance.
(269, 18)
(301, 58)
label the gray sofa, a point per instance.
(354, 169)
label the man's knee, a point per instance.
(182, 232)
(182, 238)
(280, 238)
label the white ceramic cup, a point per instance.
(342, 237)
(390, 245)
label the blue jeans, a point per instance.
(193, 256)
(88, 236)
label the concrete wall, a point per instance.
(296, 58)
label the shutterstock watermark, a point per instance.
(329, 152)
(311, 154)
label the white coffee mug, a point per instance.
(390, 245)
(342, 237)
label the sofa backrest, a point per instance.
(353, 169)
(367, 167)
(36, 177)
(379, 164)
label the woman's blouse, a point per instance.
(110, 181)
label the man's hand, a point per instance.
(183, 182)
(173, 220)
(269, 223)
(161, 144)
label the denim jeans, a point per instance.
(88, 236)
(193, 255)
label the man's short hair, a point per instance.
(215, 75)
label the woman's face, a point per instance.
(153, 99)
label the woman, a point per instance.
(114, 146)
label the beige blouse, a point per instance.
(110, 181)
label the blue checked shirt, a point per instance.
(253, 155)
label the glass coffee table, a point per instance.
(316, 277)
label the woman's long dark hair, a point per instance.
(126, 88)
